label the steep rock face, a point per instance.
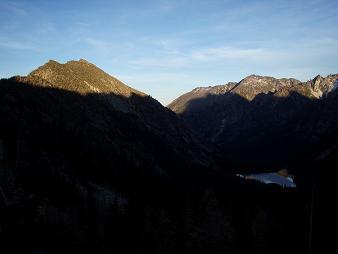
(262, 120)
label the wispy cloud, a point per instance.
(101, 46)
(14, 7)
(205, 55)
(230, 53)
(15, 45)
(160, 62)
(167, 5)
(97, 43)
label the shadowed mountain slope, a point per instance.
(79, 151)
(90, 165)
(74, 124)
(263, 121)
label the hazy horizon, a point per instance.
(166, 48)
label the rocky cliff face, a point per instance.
(262, 120)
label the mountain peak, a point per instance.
(51, 61)
(80, 76)
(318, 77)
(80, 61)
(253, 78)
(53, 64)
(83, 60)
(317, 80)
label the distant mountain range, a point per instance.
(265, 122)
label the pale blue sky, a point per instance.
(166, 48)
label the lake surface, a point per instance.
(271, 178)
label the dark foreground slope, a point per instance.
(76, 142)
(90, 165)
(77, 111)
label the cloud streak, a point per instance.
(15, 45)
(14, 7)
(207, 55)
(230, 53)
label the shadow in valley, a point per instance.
(79, 176)
(269, 133)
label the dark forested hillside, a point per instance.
(90, 165)
(74, 139)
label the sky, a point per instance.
(168, 47)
